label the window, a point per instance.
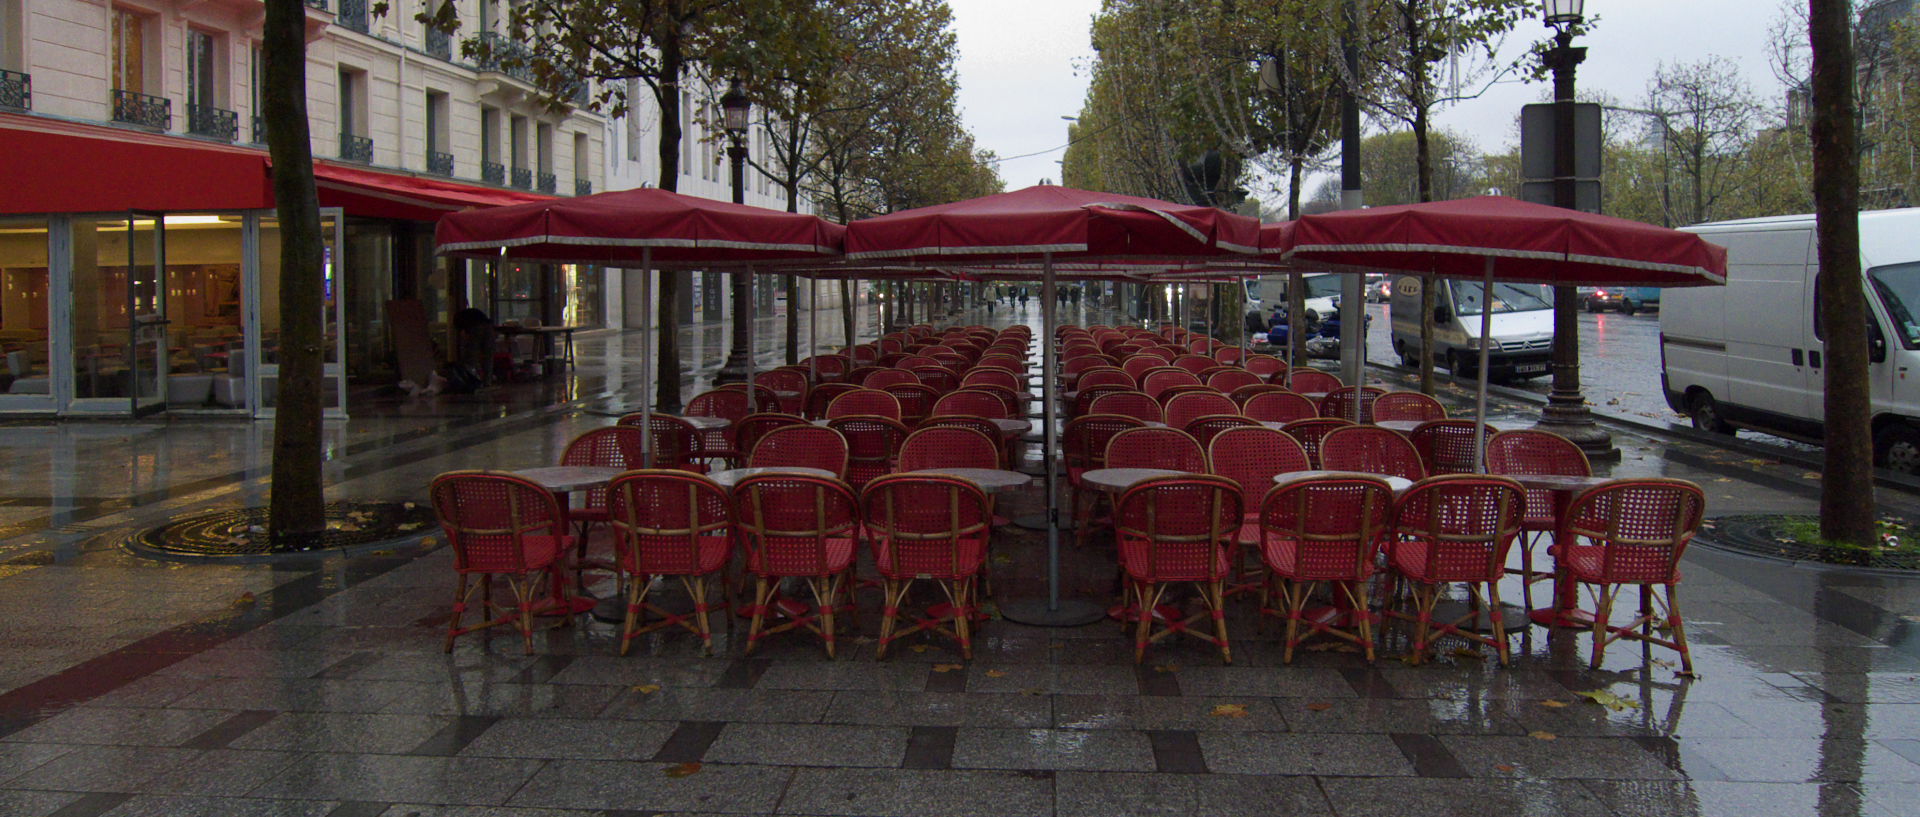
(353, 102)
(686, 134)
(582, 168)
(259, 82)
(517, 142)
(543, 145)
(633, 120)
(490, 135)
(12, 56)
(129, 51)
(203, 84)
(439, 153)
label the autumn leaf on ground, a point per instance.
(1609, 700)
(1554, 704)
(1166, 668)
(1330, 646)
(1033, 691)
(1542, 735)
(1319, 706)
(1503, 767)
(996, 673)
(683, 770)
(1230, 711)
(918, 648)
(244, 600)
(948, 667)
(647, 689)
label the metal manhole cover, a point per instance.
(1768, 535)
(240, 534)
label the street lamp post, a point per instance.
(735, 108)
(1566, 411)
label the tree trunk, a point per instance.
(297, 503)
(849, 311)
(1423, 174)
(1296, 283)
(667, 344)
(1846, 485)
(793, 319)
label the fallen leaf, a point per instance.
(1033, 691)
(408, 505)
(1810, 475)
(1166, 668)
(918, 648)
(683, 770)
(1503, 767)
(1543, 735)
(1609, 700)
(1319, 706)
(429, 542)
(1230, 711)
(1723, 479)
(1554, 704)
(996, 673)
(948, 667)
(408, 526)
(244, 600)
(647, 689)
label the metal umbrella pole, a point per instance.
(813, 339)
(1053, 612)
(646, 356)
(1480, 399)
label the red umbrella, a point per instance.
(667, 228)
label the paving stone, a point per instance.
(1707, 798)
(1101, 794)
(645, 787)
(780, 744)
(938, 709)
(1778, 760)
(34, 803)
(1570, 757)
(132, 727)
(103, 769)
(332, 731)
(1273, 753)
(881, 792)
(169, 806)
(1084, 749)
(391, 778)
(844, 675)
(219, 773)
(740, 705)
(1148, 712)
(1432, 797)
(418, 810)
(486, 698)
(1433, 716)
(19, 758)
(567, 738)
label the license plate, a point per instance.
(1530, 368)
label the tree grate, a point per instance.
(240, 534)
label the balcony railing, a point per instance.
(500, 53)
(493, 173)
(353, 14)
(356, 148)
(218, 123)
(259, 129)
(16, 90)
(135, 108)
(549, 184)
(582, 187)
(523, 178)
(439, 163)
(439, 43)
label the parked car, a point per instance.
(1380, 291)
(1522, 324)
(1628, 300)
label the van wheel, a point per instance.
(1706, 415)
(1629, 307)
(1459, 363)
(1408, 360)
(1898, 447)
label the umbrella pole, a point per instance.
(1480, 400)
(1052, 612)
(646, 355)
(813, 338)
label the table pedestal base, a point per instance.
(1556, 617)
(1038, 521)
(1070, 613)
(1511, 616)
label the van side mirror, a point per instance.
(1441, 314)
(1876, 343)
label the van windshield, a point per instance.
(1323, 286)
(1506, 298)
(1899, 288)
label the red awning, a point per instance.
(54, 166)
(51, 166)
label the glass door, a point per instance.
(263, 318)
(148, 354)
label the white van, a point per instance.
(1749, 354)
(1522, 327)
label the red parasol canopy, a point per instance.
(1531, 243)
(1072, 225)
(614, 227)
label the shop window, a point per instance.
(24, 317)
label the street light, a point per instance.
(735, 110)
(1566, 411)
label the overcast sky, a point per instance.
(1023, 65)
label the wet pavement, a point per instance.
(134, 687)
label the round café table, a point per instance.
(562, 480)
(991, 480)
(1565, 611)
(706, 423)
(1398, 484)
(732, 476)
(1115, 480)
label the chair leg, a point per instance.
(892, 591)
(962, 595)
(1498, 619)
(637, 587)
(1144, 608)
(826, 601)
(459, 610)
(1602, 614)
(1679, 630)
(762, 596)
(1526, 569)
(1216, 597)
(523, 597)
(1295, 598)
(697, 587)
(1424, 598)
(1356, 598)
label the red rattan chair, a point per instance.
(1454, 529)
(882, 378)
(791, 381)
(1195, 363)
(1280, 407)
(1407, 405)
(873, 443)
(864, 401)
(1265, 365)
(864, 354)
(1310, 431)
(725, 404)
(1632, 531)
(668, 523)
(1226, 381)
(1244, 393)
(1227, 355)
(999, 378)
(1011, 401)
(505, 526)
(918, 361)
(1340, 402)
(676, 443)
(1173, 530)
(1138, 365)
(1106, 376)
(1166, 396)
(948, 447)
(927, 527)
(1529, 453)
(801, 446)
(938, 377)
(1204, 429)
(1135, 404)
(748, 430)
(1186, 407)
(1083, 446)
(830, 368)
(1323, 530)
(1371, 450)
(610, 447)
(1160, 380)
(824, 394)
(759, 398)
(971, 403)
(1304, 379)
(803, 528)
(1157, 447)
(1006, 362)
(916, 401)
(1447, 446)
(1083, 399)
(1251, 456)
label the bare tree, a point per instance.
(1707, 115)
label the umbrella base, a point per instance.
(1038, 521)
(1070, 613)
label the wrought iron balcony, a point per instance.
(16, 90)
(549, 184)
(439, 43)
(493, 173)
(259, 129)
(523, 178)
(135, 108)
(356, 148)
(353, 14)
(218, 123)
(439, 163)
(582, 187)
(500, 53)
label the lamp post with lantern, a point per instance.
(736, 109)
